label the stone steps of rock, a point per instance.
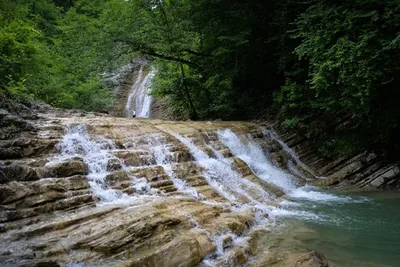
(167, 188)
(162, 183)
(210, 193)
(196, 181)
(63, 204)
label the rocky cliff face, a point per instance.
(366, 170)
(125, 83)
(121, 82)
(80, 187)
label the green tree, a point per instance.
(352, 72)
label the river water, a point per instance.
(362, 232)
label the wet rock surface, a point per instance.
(366, 170)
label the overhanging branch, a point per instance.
(146, 50)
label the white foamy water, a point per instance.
(242, 193)
(139, 99)
(143, 98)
(163, 156)
(131, 98)
(250, 152)
(142, 186)
(95, 154)
(274, 136)
(224, 179)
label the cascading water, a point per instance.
(223, 178)
(273, 135)
(163, 156)
(129, 108)
(144, 99)
(95, 153)
(251, 153)
(139, 99)
(307, 203)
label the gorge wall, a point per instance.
(364, 171)
(130, 85)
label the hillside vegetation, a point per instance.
(327, 68)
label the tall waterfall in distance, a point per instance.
(139, 99)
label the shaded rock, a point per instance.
(16, 172)
(2, 176)
(136, 158)
(279, 159)
(12, 191)
(226, 153)
(183, 252)
(269, 259)
(113, 165)
(65, 169)
(385, 177)
(10, 153)
(115, 179)
(161, 110)
(47, 264)
(227, 241)
(24, 195)
(242, 167)
(182, 156)
(311, 259)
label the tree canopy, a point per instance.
(327, 68)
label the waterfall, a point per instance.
(139, 99)
(219, 171)
(163, 156)
(250, 152)
(224, 179)
(144, 99)
(273, 135)
(128, 107)
(95, 154)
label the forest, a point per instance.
(329, 69)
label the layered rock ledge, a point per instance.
(89, 188)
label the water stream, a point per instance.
(357, 233)
(163, 156)
(250, 152)
(95, 153)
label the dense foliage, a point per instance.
(327, 68)
(45, 54)
(349, 81)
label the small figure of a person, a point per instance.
(134, 114)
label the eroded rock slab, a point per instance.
(91, 188)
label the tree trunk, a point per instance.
(192, 113)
